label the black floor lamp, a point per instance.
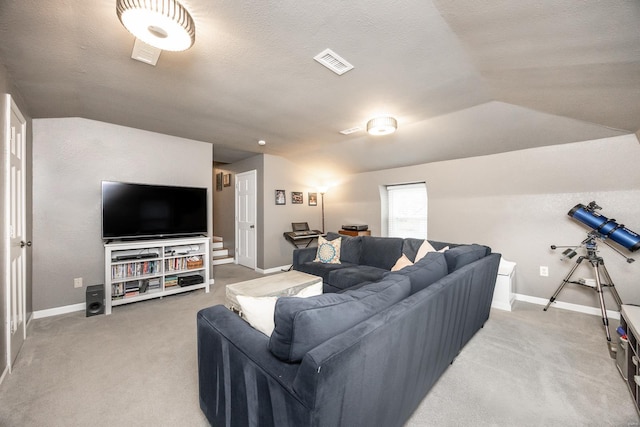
(322, 191)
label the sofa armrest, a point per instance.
(300, 256)
(237, 371)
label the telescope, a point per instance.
(605, 227)
(602, 228)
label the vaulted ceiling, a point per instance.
(463, 78)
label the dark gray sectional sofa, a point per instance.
(362, 259)
(365, 354)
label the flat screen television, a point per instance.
(141, 211)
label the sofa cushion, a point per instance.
(302, 324)
(428, 270)
(347, 277)
(328, 251)
(465, 254)
(350, 248)
(440, 245)
(381, 252)
(320, 269)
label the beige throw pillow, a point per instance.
(258, 311)
(402, 262)
(424, 249)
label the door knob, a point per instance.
(23, 243)
(252, 226)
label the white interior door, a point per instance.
(15, 219)
(246, 219)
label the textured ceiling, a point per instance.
(463, 78)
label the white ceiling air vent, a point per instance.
(145, 53)
(333, 61)
(351, 130)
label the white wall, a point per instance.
(71, 157)
(517, 203)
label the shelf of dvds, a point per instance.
(140, 270)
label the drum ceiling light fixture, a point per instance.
(164, 24)
(383, 125)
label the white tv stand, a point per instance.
(143, 269)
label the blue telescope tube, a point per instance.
(608, 228)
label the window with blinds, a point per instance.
(407, 210)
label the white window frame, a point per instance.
(388, 196)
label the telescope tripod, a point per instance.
(598, 267)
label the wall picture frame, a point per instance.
(281, 197)
(226, 180)
(313, 199)
(219, 181)
(297, 198)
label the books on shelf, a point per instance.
(141, 270)
(131, 288)
(183, 263)
(133, 269)
(153, 284)
(117, 290)
(170, 281)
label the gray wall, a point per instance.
(7, 86)
(281, 174)
(273, 173)
(71, 157)
(517, 203)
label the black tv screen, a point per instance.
(132, 211)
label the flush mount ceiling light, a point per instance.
(382, 125)
(164, 24)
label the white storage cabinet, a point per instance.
(141, 270)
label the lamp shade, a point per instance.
(164, 24)
(382, 125)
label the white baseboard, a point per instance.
(567, 306)
(59, 310)
(501, 305)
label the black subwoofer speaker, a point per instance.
(95, 300)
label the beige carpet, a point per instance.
(138, 367)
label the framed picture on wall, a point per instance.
(219, 181)
(296, 197)
(281, 198)
(226, 180)
(313, 199)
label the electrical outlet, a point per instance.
(544, 271)
(77, 282)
